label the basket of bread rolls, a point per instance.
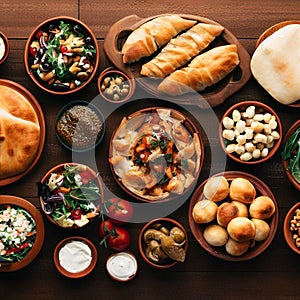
(233, 215)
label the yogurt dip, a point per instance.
(122, 266)
(75, 256)
(2, 48)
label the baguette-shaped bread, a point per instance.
(204, 70)
(181, 49)
(153, 34)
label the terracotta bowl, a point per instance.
(106, 77)
(16, 202)
(219, 251)
(48, 84)
(118, 260)
(269, 32)
(6, 45)
(285, 162)
(85, 272)
(260, 108)
(288, 233)
(169, 224)
(84, 128)
(59, 169)
(137, 122)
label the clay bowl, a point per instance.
(138, 122)
(69, 85)
(219, 251)
(6, 47)
(83, 125)
(260, 108)
(106, 79)
(286, 162)
(288, 234)
(88, 269)
(16, 202)
(269, 32)
(169, 224)
(92, 176)
(118, 260)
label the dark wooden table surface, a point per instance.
(271, 275)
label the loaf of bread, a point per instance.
(181, 49)
(204, 70)
(150, 36)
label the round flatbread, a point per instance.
(275, 64)
(17, 105)
(19, 142)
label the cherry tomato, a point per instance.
(105, 228)
(33, 51)
(119, 239)
(39, 34)
(120, 211)
(76, 214)
(63, 49)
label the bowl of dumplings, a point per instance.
(233, 215)
(156, 154)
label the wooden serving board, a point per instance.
(211, 97)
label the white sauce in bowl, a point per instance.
(75, 256)
(2, 48)
(122, 266)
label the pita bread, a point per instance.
(19, 142)
(275, 64)
(17, 105)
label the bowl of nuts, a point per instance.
(115, 86)
(250, 132)
(291, 228)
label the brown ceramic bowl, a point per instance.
(16, 202)
(288, 234)
(269, 32)
(286, 162)
(115, 266)
(169, 224)
(93, 177)
(220, 252)
(79, 74)
(24, 93)
(3, 43)
(137, 124)
(127, 84)
(86, 271)
(260, 108)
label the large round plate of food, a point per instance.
(156, 154)
(21, 233)
(184, 58)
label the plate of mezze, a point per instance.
(22, 131)
(183, 58)
(233, 215)
(21, 233)
(156, 154)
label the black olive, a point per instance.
(40, 53)
(31, 60)
(51, 27)
(88, 40)
(90, 55)
(46, 66)
(77, 28)
(60, 87)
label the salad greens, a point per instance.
(291, 152)
(17, 233)
(69, 196)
